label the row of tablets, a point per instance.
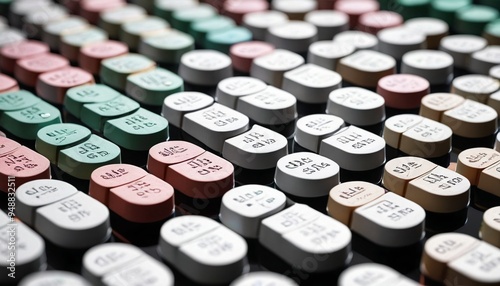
(293, 233)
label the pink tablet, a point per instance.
(373, 22)
(169, 153)
(354, 9)
(20, 166)
(91, 9)
(403, 91)
(242, 54)
(91, 55)
(111, 176)
(236, 9)
(206, 176)
(7, 84)
(148, 199)
(7, 145)
(28, 69)
(9, 54)
(52, 86)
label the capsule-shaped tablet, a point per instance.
(202, 249)
(257, 149)
(385, 219)
(312, 129)
(354, 149)
(123, 264)
(418, 136)
(50, 277)
(214, 124)
(365, 68)
(244, 207)
(306, 174)
(356, 106)
(176, 105)
(435, 188)
(271, 67)
(205, 67)
(373, 274)
(299, 232)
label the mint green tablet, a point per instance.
(53, 138)
(413, 8)
(200, 29)
(182, 18)
(445, 9)
(16, 100)
(94, 115)
(25, 123)
(82, 159)
(167, 47)
(222, 40)
(76, 97)
(114, 71)
(138, 131)
(151, 87)
(473, 18)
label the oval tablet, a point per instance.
(490, 227)
(328, 22)
(9, 54)
(72, 43)
(471, 119)
(434, 29)
(57, 277)
(435, 104)
(434, 66)
(243, 54)
(473, 161)
(114, 71)
(169, 153)
(153, 86)
(474, 86)
(203, 249)
(312, 129)
(295, 36)
(403, 91)
(396, 41)
(243, 208)
(92, 54)
(80, 160)
(137, 131)
(373, 274)
(263, 277)
(176, 105)
(53, 138)
(259, 22)
(53, 85)
(107, 177)
(78, 221)
(354, 149)
(205, 67)
(328, 53)
(38, 193)
(206, 176)
(299, 232)
(214, 124)
(146, 200)
(356, 105)
(28, 69)
(7, 84)
(230, 90)
(257, 149)
(271, 106)
(374, 22)
(306, 174)
(166, 47)
(311, 83)
(365, 68)
(360, 40)
(461, 47)
(271, 67)
(399, 172)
